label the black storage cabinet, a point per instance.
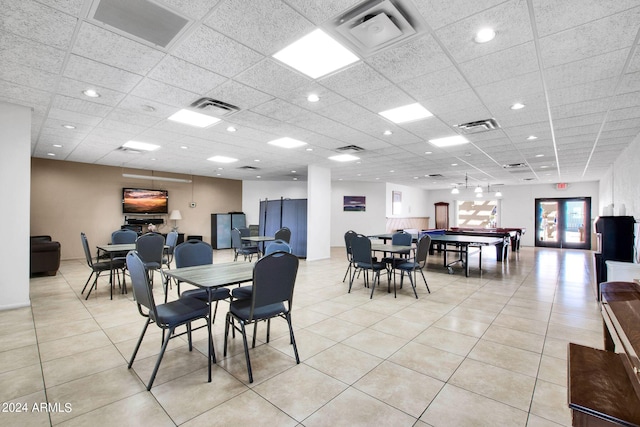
(615, 243)
(221, 225)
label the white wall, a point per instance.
(620, 187)
(371, 221)
(414, 201)
(318, 213)
(254, 191)
(518, 203)
(15, 175)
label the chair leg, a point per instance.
(227, 321)
(135, 351)
(215, 310)
(189, 336)
(246, 350)
(413, 282)
(87, 282)
(155, 369)
(94, 285)
(425, 281)
(347, 272)
(293, 339)
(255, 332)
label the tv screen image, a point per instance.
(144, 201)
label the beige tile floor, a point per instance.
(485, 350)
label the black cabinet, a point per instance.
(221, 225)
(615, 242)
(291, 213)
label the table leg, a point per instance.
(465, 248)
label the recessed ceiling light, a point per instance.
(258, 176)
(295, 179)
(387, 132)
(149, 108)
(143, 146)
(454, 164)
(531, 137)
(222, 159)
(68, 126)
(57, 145)
(428, 152)
(484, 35)
(309, 149)
(455, 191)
(51, 154)
(218, 174)
(313, 98)
(449, 141)
(193, 118)
(392, 171)
(517, 106)
(344, 158)
(231, 129)
(287, 142)
(256, 160)
(539, 155)
(544, 167)
(293, 171)
(184, 147)
(406, 113)
(415, 177)
(91, 93)
(316, 55)
(153, 159)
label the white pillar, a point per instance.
(15, 175)
(318, 213)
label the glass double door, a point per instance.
(563, 223)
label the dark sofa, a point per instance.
(45, 255)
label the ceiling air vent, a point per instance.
(146, 21)
(435, 175)
(478, 126)
(377, 24)
(350, 149)
(248, 168)
(514, 165)
(128, 150)
(215, 107)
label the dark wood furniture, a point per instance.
(442, 214)
(604, 385)
(45, 255)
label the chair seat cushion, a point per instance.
(248, 250)
(371, 266)
(152, 265)
(241, 309)
(408, 266)
(201, 294)
(181, 311)
(107, 265)
(243, 292)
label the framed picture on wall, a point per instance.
(354, 204)
(396, 202)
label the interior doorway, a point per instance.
(563, 223)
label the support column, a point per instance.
(318, 213)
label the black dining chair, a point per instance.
(363, 260)
(239, 248)
(416, 264)
(348, 237)
(274, 278)
(98, 267)
(166, 316)
(283, 234)
(190, 254)
(150, 248)
(244, 292)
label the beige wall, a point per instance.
(68, 198)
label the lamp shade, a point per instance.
(175, 215)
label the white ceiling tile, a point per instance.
(591, 39)
(184, 75)
(355, 80)
(435, 84)
(82, 106)
(74, 118)
(242, 96)
(600, 67)
(37, 22)
(25, 76)
(510, 21)
(74, 88)
(439, 13)
(501, 65)
(112, 49)
(195, 9)
(384, 99)
(31, 54)
(205, 47)
(164, 93)
(421, 55)
(265, 26)
(319, 11)
(270, 77)
(86, 70)
(29, 96)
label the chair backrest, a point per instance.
(193, 252)
(150, 247)
(401, 238)
(119, 237)
(244, 232)
(277, 246)
(274, 277)
(140, 284)
(348, 238)
(87, 251)
(172, 239)
(236, 239)
(422, 250)
(361, 249)
(283, 234)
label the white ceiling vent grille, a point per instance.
(214, 107)
(478, 126)
(145, 20)
(248, 168)
(514, 165)
(376, 24)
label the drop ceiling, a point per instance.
(574, 64)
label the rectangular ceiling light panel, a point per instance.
(449, 141)
(287, 142)
(316, 55)
(193, 118)
(406, 114)
(142, 146)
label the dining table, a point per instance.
(393, 250)
(259, 240)
(212, 276)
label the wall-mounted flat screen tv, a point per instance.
(144, 201)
